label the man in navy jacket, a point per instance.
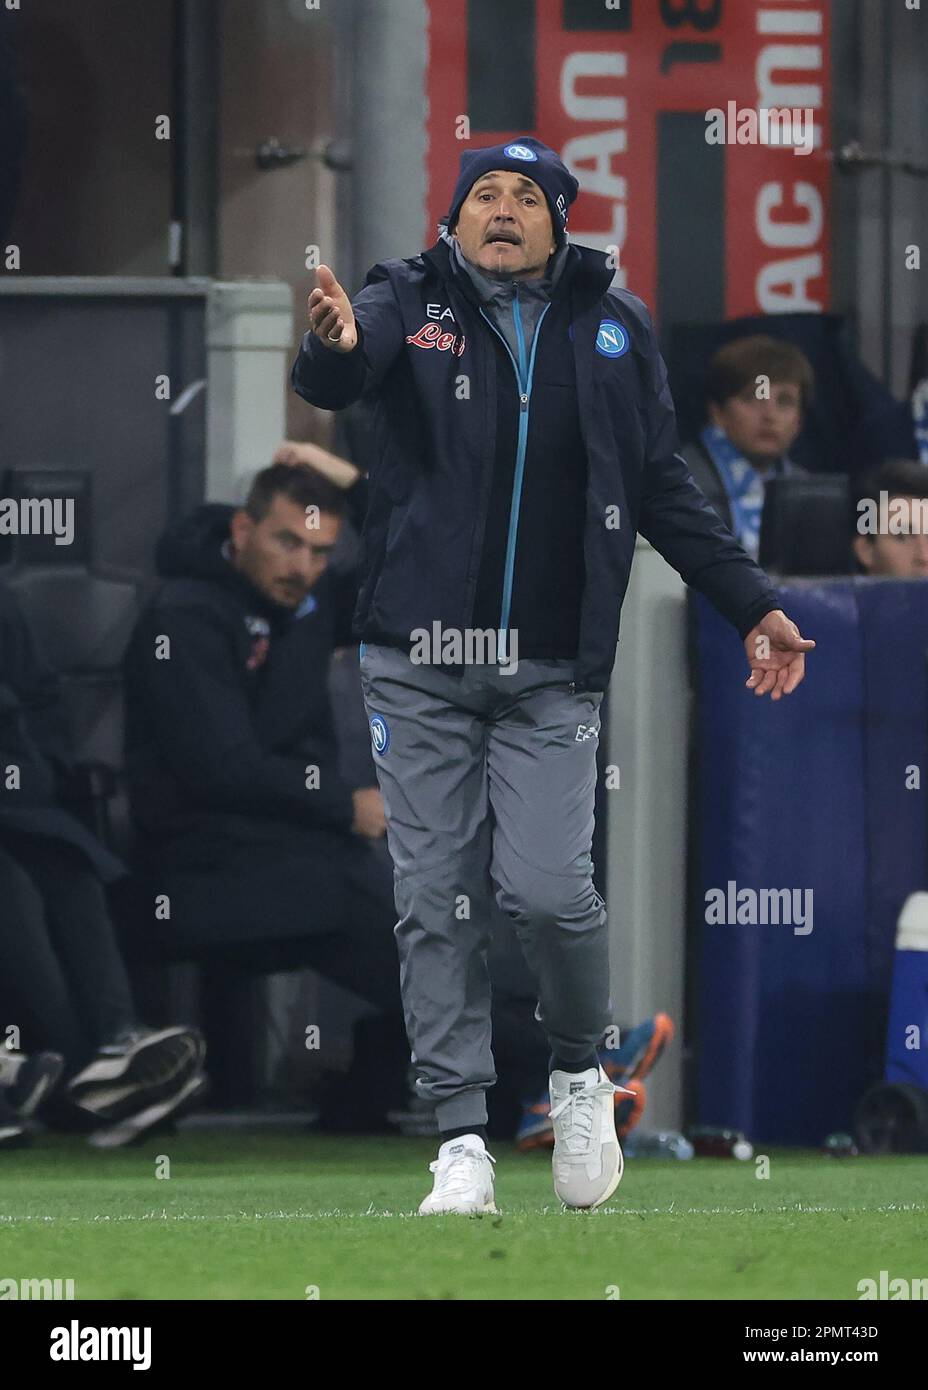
(525, 433)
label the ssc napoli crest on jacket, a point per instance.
(611, 339)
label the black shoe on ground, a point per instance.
(155, 1117)
(139, 1069)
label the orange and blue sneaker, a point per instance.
(639, 1052)
(625, 1066)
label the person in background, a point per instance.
(891, 542)
(758, 391)
(247, 826)
(66, 1007)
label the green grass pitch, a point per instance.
(261, 1215)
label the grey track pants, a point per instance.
(488, 781)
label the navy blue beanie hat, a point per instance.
(525, 156)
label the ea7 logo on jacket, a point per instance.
(432, 335)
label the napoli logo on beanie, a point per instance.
(548, 170)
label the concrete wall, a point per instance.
(647, 816)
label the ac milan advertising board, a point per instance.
(674, 116)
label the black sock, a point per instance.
(559, 1064)
(481, 1130)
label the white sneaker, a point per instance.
(463, 1179)
(587, 1159)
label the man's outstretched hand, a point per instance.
(330, 313)
(776, 655)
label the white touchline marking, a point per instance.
(796, 1208)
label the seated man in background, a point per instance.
(888, 520)
(247, 828)
(258, 850)
(758, 391)
(65, 1001)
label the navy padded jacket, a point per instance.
(427, 366)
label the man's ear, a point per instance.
(862, 547)
(241, 526)
(715, 414)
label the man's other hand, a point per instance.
(339, 470)
(369, 818)
(331, 317)
(776, 655)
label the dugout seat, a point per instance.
(804, 531)
(81, 616)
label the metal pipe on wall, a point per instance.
(195, 146)
(389, 135)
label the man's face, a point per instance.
(898, 556)
(763, 431)
(504, 227)
(283, 554)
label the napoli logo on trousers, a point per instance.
(380, 734)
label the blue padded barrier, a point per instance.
(894, 626)
(808, 793)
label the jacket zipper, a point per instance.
(524, 383)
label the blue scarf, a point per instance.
(743, 485)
